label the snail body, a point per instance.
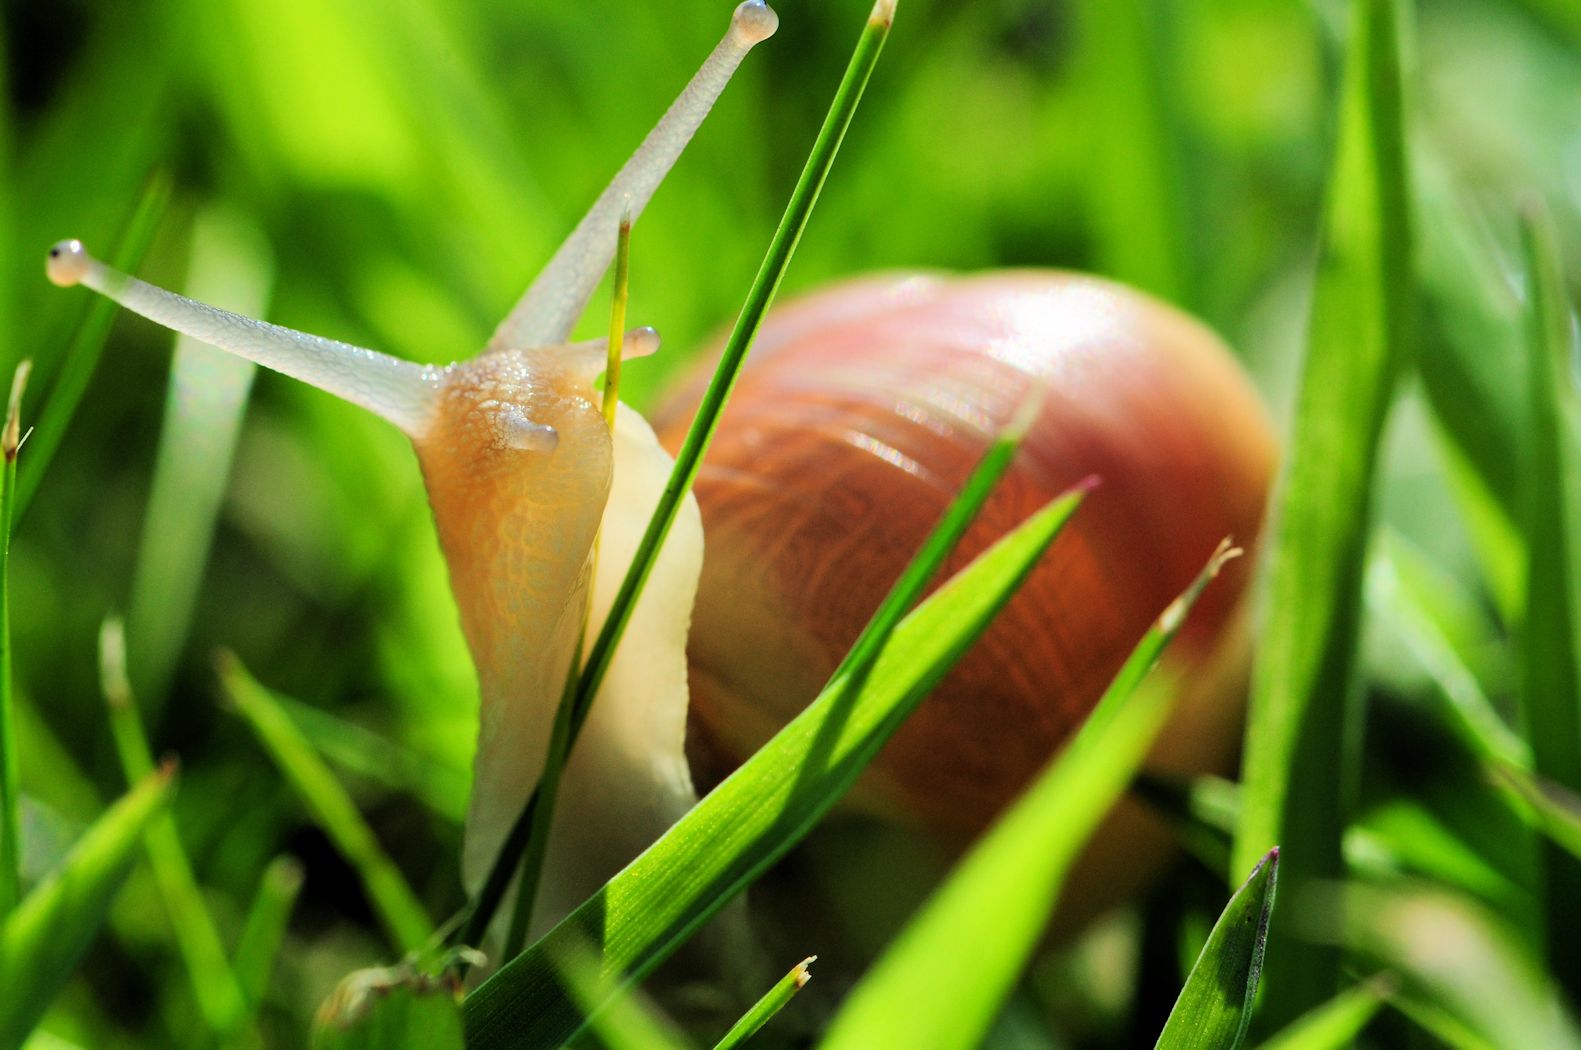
(861, 412)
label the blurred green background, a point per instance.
(393, 174)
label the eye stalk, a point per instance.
(548, 311)
(399, 391)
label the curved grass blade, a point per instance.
(773, 1001)
(1299, 772)
(264, 931)
(763, 809)
(1336, 1024)
(1475, 976)
(689, 459)
(43, 939)
(87, 344)
(1215, 1007)
(1403, 585)
(214, 985)
(10, 772)
(948, 973)
(397, 907)
(1550, 675)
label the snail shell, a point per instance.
(862, 411)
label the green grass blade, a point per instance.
(1556, 809)
(948, 973)
(264, 931)
(1215, 1007)
(1135, 180)
(539, 813)
(214, 985)
(1336, 1024)
(87, 343)
(627, 1021)
(43, 939)
(10, 771)
(773, 1001)
(1299, 771)
(689, 460)
(1476, 977)
(1550, 677)
(1403, 585)
(783, 245)
(356, 749)
(397, 907)
(761, 810)
(207, 396)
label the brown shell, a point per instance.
(862, 410)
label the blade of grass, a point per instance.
(1550, 677)
(689, 459)
(773, 1001)
(1459, 959)
(87, 343)
(356, 749)
(1400, 583)
(627, 1022)
(945, 977)
(561, 733)
(763, 809)
(761, 294)
(10, 773)
(1215, 1007)
(397, 907)
(214, 985)
(1304, 725)
(264, 931)
(1336, 1024)
(43, 939)
(207, 397)
(1136, 182)
(1556, 809)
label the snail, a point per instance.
(864, 411)
(860, 413)
(522, 473)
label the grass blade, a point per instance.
(762, 809)
(402, 916)
(1137, 186)
(1403, 585)
(42, 940)
(690, 457)
(1488, 988)
(1336, 1024)
(1550, 677)
(1299, 770)
(207, 397)
(943, 980)
(773, 1001)
(759, 296)
(264, 931)
(10, 772)
(87, 343)
(1215, 1007)
(214, 986)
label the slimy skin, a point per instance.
(520, 467)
